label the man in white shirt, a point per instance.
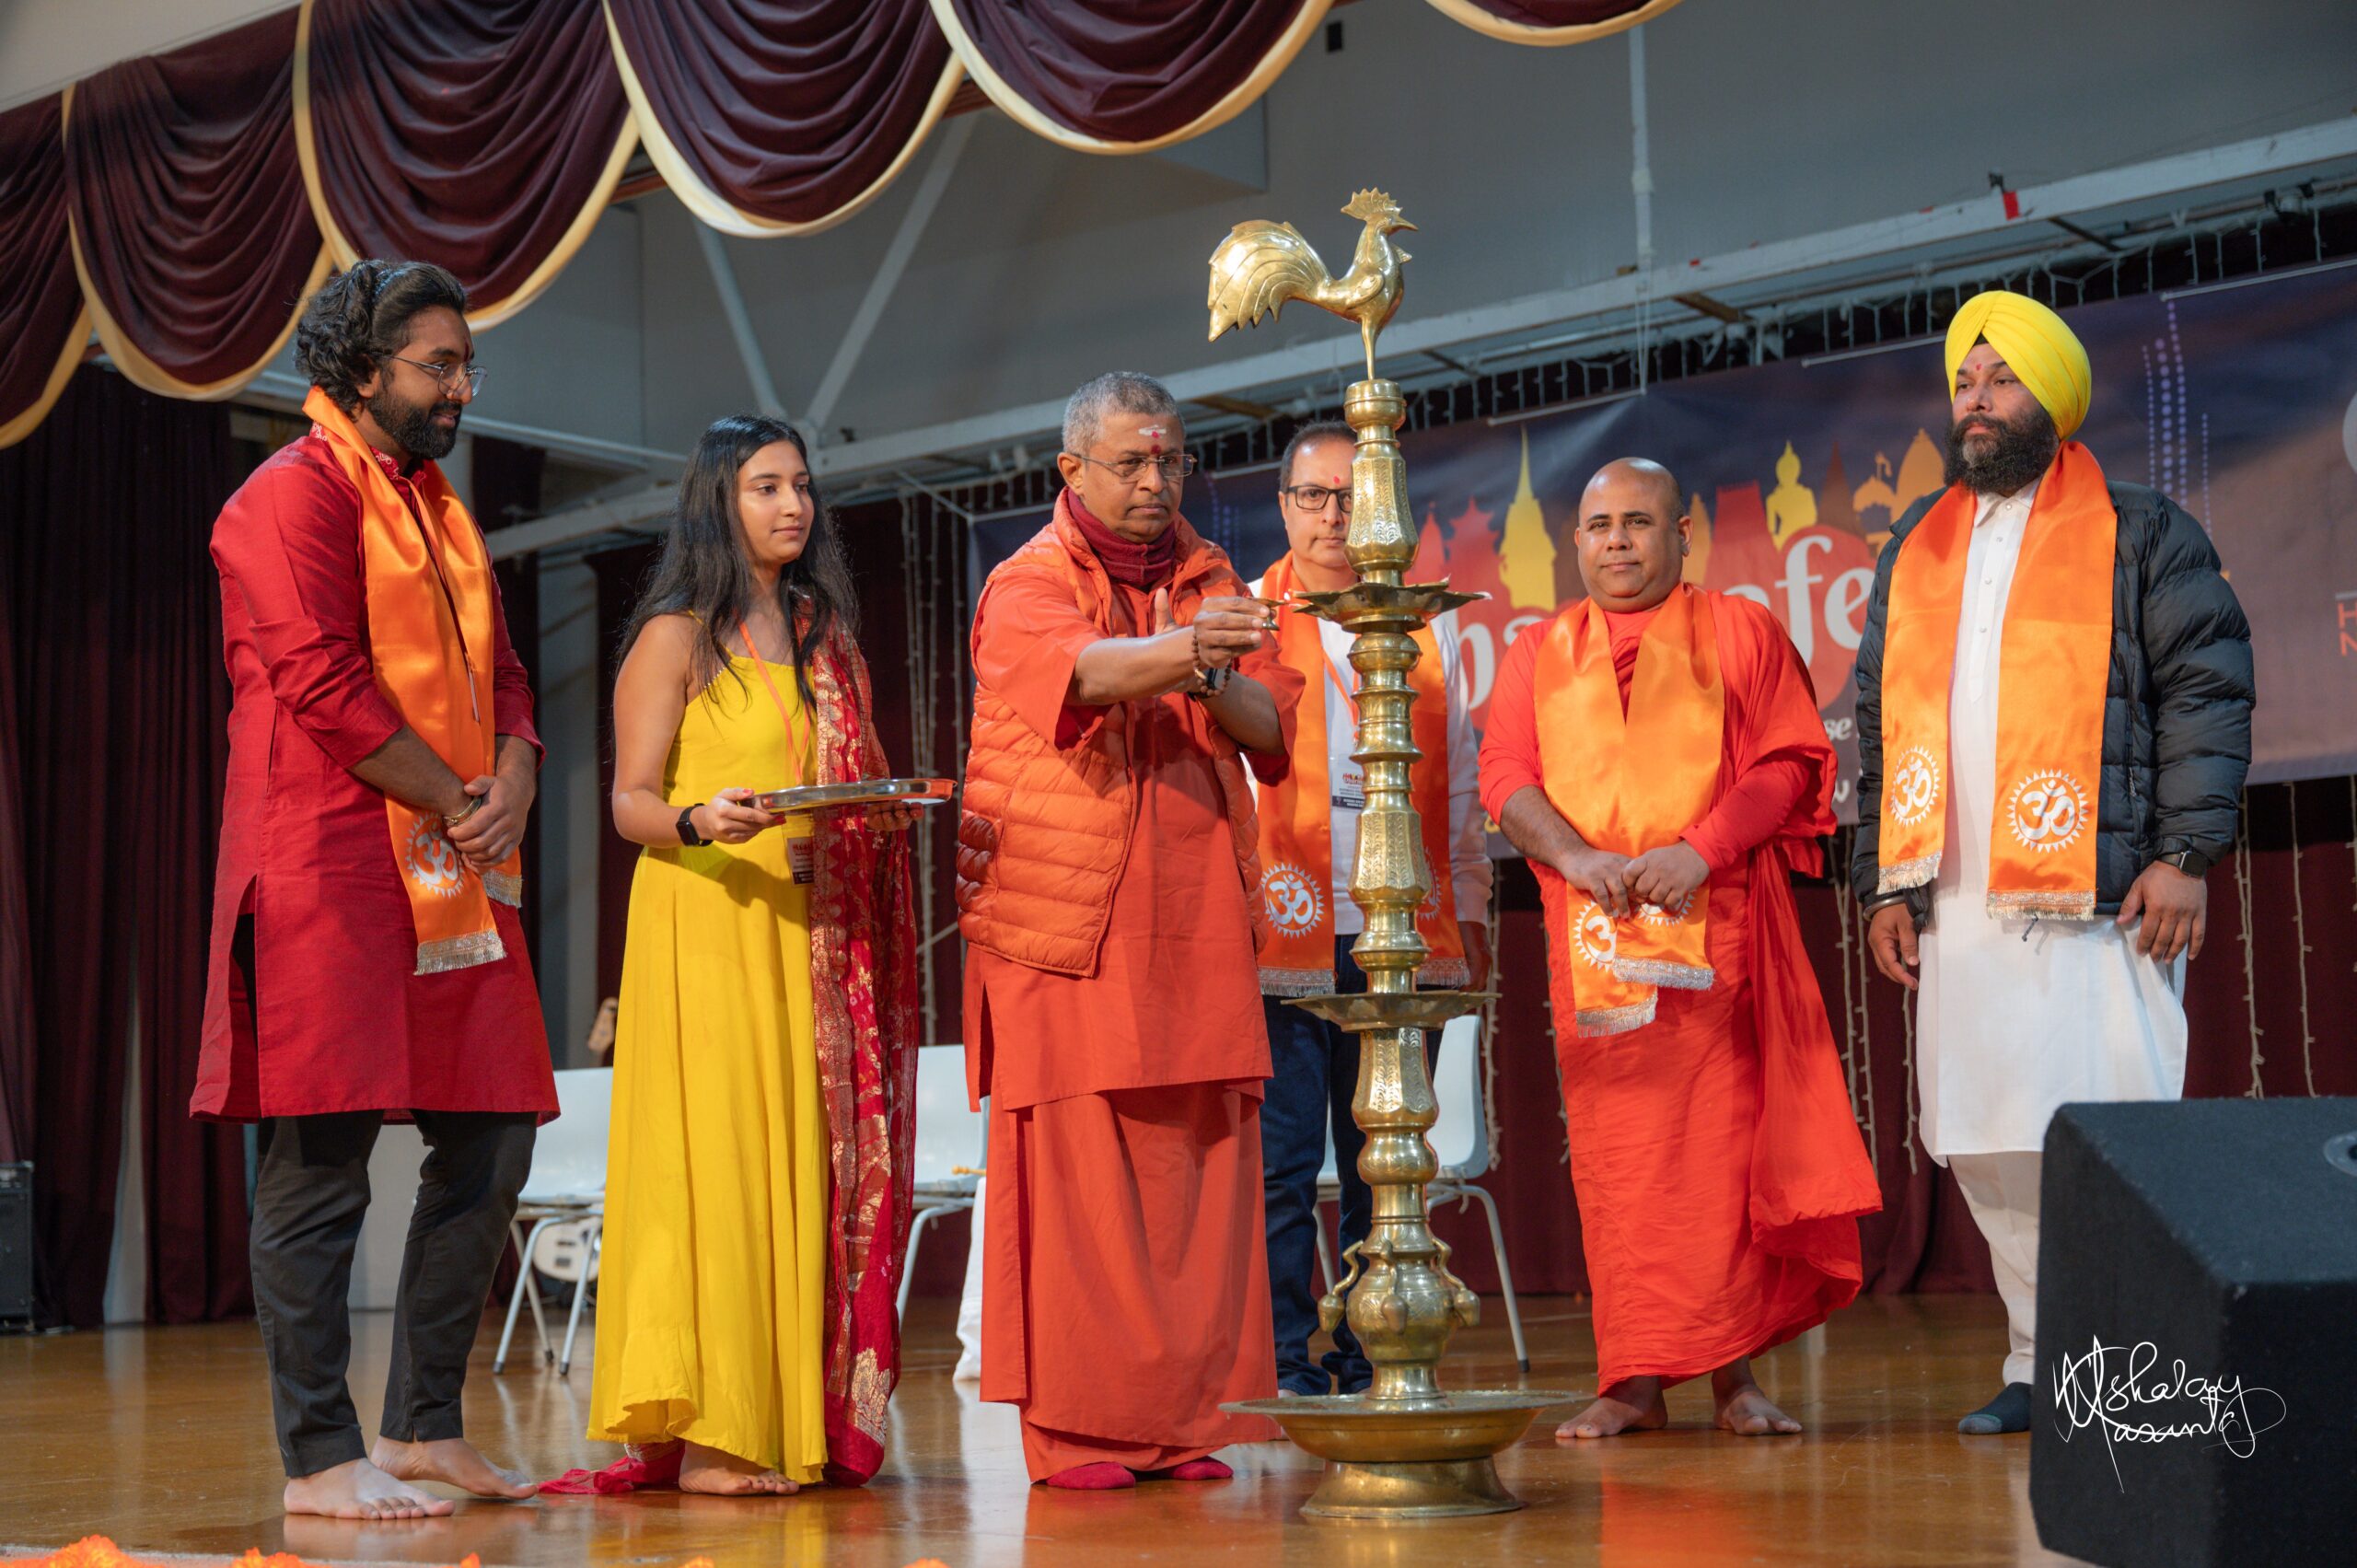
(2054, 696)
(1308, 845)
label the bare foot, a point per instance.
(1635, 1405)
(358, 1490)
(1745, 1412)
(725, 1475)
(452, 1460)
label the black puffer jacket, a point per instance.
(2175, 721)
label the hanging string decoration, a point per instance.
(2300, 932)
(2250, 963)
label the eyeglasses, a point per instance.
(1128, 469)
(448, 376)
(1313, 497)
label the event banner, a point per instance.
(2238, 401)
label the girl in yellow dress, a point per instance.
(757, 1198)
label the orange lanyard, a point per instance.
(794, 748)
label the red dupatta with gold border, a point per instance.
(863, 985)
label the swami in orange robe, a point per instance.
(1714, 1156)
(1109, 896)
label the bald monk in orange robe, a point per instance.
(1656, 752)
(1108, 894)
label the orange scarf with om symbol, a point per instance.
(1297, 816)
(429, 596)
(2053, 671)
(1628, 782)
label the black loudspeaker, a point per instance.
(16, 1243)
(2196, 1399)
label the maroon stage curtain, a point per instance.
(195, 237)
(776, 115)
(119, 740)
(18, 1060)
(481, 134)
(1121, 73)
(1551, 21)
(1559, 13)
(41, 302)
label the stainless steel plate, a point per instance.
(806, 799)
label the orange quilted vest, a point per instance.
(1045, 833)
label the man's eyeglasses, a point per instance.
(1128, 469)
(449, 377)
(1313, 497)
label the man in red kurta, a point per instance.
(1656, 752)
(1108, 877)
(367, 958)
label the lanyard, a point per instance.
(793, 747)
(414, 507)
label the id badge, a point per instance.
(802, 854)
(1350, 790)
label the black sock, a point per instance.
(2009, 1411)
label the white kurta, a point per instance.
(2021, 1015)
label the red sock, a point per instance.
(1200, 1470)
(1102, 1476)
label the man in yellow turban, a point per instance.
(2054, 697)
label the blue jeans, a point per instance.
(1317, 1072)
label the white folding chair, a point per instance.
(566, 1186)
(952, 1142)
(1460, 1142)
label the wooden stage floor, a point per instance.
(160, 1438)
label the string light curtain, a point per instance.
(781, 117)
(1550, 23)
(193, 238)
(486, 135)
(1125, 75)
(41, 321)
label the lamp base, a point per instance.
(1407, 1460)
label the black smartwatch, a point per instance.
(2192, 862)
(688, 834)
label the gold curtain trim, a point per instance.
(69, 359)
(1021, 111)
(1481, 21)
(715, 211)
(344, 252)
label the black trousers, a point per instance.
(310, 1191)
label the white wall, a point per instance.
(46, 43)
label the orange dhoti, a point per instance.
(1125, 1294)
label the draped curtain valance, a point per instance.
(192, 239)
(1550, 22)
(482, 134)
(772, 117)
(184, 206)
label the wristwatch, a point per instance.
(688, 834)
(2192, 862)
(1213, 680)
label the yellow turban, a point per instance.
(2045, 353)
